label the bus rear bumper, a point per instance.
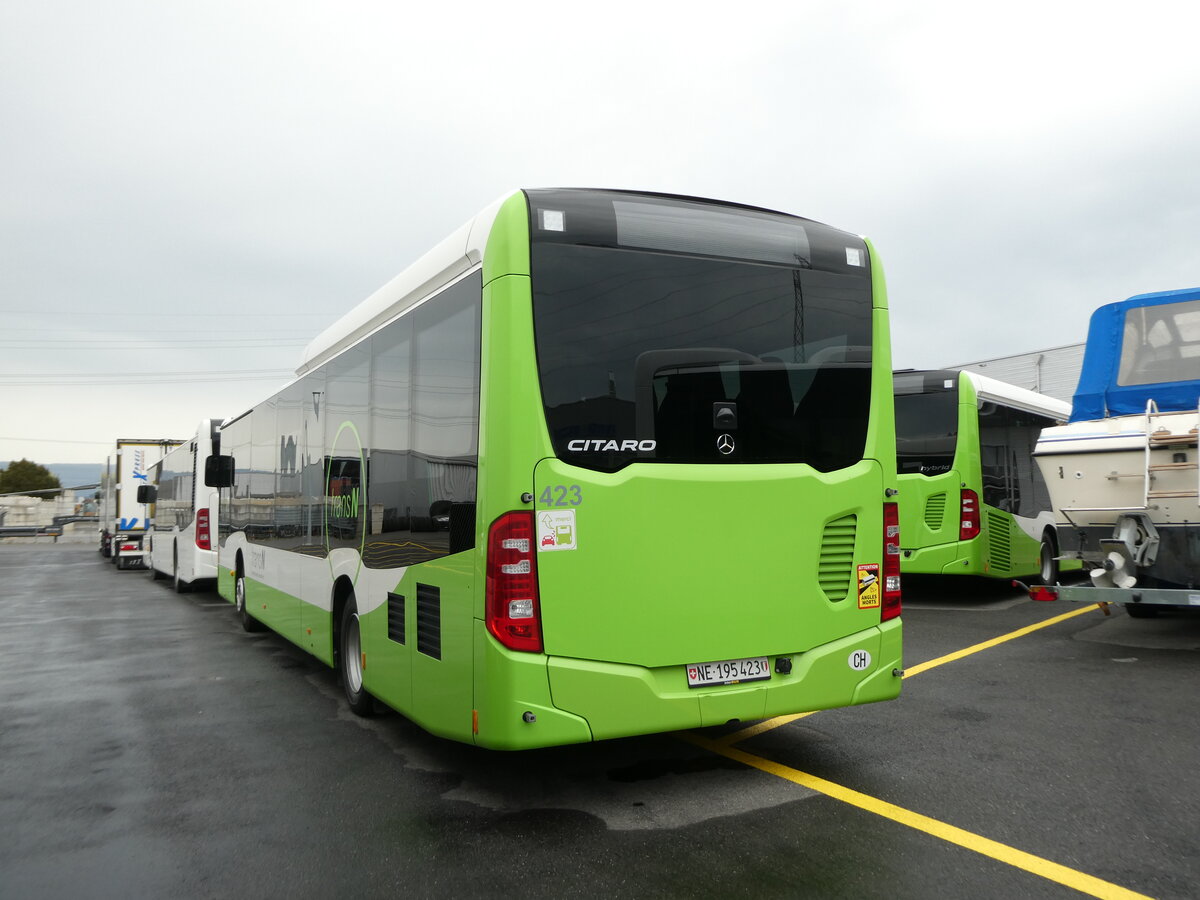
(623, 700)
(940, 559)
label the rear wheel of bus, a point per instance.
(249, 623)
(350, 661)
(181, 586)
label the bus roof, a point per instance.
(986, 389)
(454, 256)
(1005, 394)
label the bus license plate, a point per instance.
(729, 671)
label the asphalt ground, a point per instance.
(151, 748)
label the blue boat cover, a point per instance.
(1098, 394)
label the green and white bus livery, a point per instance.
(600, 464)
(972, 502)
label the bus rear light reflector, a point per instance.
(203, 536)
(891, 562)
(512, 611)
(968, 526)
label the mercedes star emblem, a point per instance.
(725, 444)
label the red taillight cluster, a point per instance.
(891, 562)
(968, 522)
(203, 536)
(513, 615)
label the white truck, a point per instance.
(123, 516)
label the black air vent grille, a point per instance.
(395, 606)
(935, 511)
(837, 557)
(999, 544)
(429, 620)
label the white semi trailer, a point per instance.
(123, 520)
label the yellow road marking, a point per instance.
(771, 724)
(766, 725)
(975, 648)
(1044, 868)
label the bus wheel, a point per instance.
(1141, 610)
(350, 662)
(181, 586)
(1048, 565)
(249, 623)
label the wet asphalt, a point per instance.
(151, 748)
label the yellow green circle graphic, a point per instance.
(344, 509)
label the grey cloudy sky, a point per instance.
(194, 190)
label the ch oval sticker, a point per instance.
(859, 660)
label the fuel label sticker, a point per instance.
(556, 529)
(869, 594)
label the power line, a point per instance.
(130, 344)
(232, 316)
(52, 441)
(140, 374)
(73, 379)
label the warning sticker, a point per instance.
(556, 529)
(868, 586)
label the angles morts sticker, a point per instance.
(868, 586)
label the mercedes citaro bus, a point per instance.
(599, 464)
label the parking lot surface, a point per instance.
(149, 747)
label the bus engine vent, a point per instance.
(999, 546)
(935, 511)
(395, 607)
(837, 557)
(429, 620)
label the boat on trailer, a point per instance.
(1123, 473)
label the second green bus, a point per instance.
(972, 502)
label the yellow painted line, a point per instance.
(766, 725)
(771, 724)
(1012, 635)
(1036, 865)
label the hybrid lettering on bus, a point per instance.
(600, 464)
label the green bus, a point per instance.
(972, 502)
(600, 464)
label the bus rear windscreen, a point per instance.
(745, 338)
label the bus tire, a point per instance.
(155, 575)
(1047, 564)
(350, 662)
(249, 623)
(181, 586)
(1141, 610)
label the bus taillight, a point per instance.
(203, 538)
(891, 562)
(513, 615)
(968, 523)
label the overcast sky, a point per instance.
(194, 190)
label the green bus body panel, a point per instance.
(688, 564)
(507, 248)
(303, 624)
(432, 690)
(507, 686)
